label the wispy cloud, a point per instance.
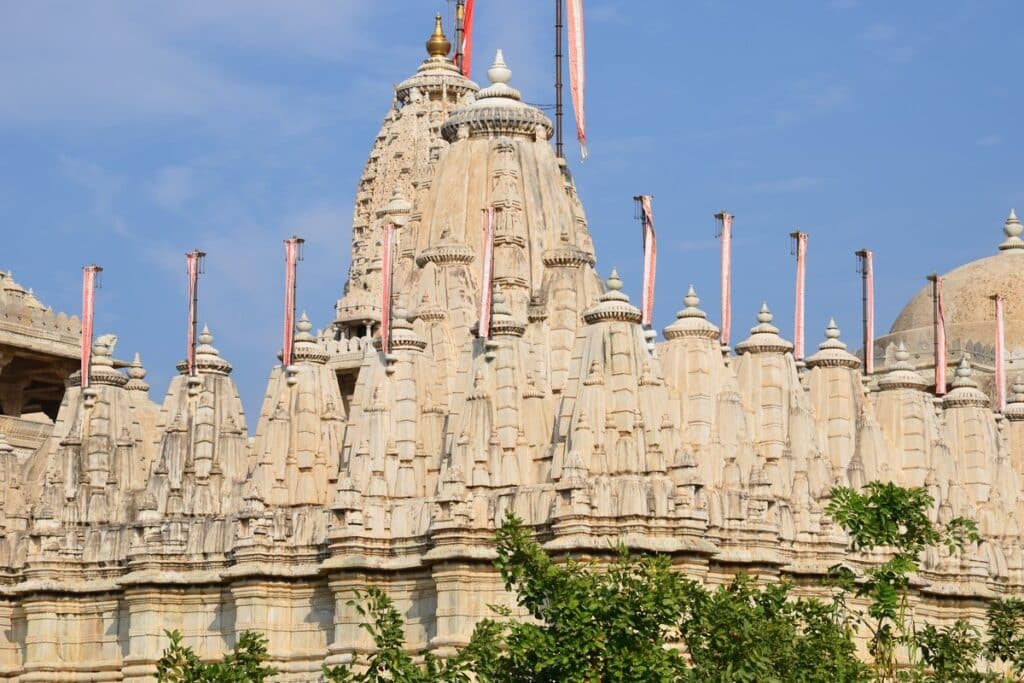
(989, 140)
(173, 187)
(102, 187)
(890, 42)
(785, 185)
(105, 62)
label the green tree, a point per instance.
(895, 519)
(180, 664)
(634, 619)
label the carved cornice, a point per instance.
(497, 121)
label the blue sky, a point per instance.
(135, 131)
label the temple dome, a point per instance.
(970, 312)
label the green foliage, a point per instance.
(636, 619)
(895, 519)
(389, 661)
(180, 664)
(740, 632)
(1006, 633)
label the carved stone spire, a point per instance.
(1013, 228)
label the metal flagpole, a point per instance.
(194, 266)
(801, 276)
(939, 333)
(292, 255)
(724, 220)
(866, 268)
(558, 80)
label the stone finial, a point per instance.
(902, 374)
(764, 337)
(499, 71)
(614, 282)
(1015, 403)
(964, 372)
(1012, 228)
(208, 358)
(398, 208)
(499, 75)
(613, 304)
(137, 375)
(832, 352)
(691, 321)
(964, 390)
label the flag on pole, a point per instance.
(487, 275)
(291, 258)
(650, 259)
(88, 304)
(577, 75)
(193, 264)
(725, 232)
(1000, 354)
(387, 247)
(801, 276)
(466, 49)
(940, 336)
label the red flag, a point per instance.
(192, 267)
(577, 75)
(650, 259)
(940, 337)
(487, 276)
(726, 235)
(291, 257)
(1000, 354)
(801, 275)
(466, 49)
(387, 247)
(88, 304)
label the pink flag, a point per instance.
(801, 276)
(940, 337)
(192, 267)
(88, 304)
(1000, 354)
(466, 49)
(291, 257)
(387, 247)
(487, 276)
(725, 232)
(577, 76)
(650, 259)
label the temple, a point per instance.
(123, 517)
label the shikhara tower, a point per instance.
(122, 518)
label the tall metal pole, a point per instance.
(460, 15)
(866, 269)
(558, 79)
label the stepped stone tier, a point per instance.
(393, 468)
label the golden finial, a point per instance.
(438, 46)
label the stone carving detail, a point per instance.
(393, 466)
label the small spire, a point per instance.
(902, 355)
(136, 370)
(764, 316)
(438, 46)
(832, 330)
(691, 300)
(499, 71)
(205, 338)
(1012, 228)
(614, 281)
